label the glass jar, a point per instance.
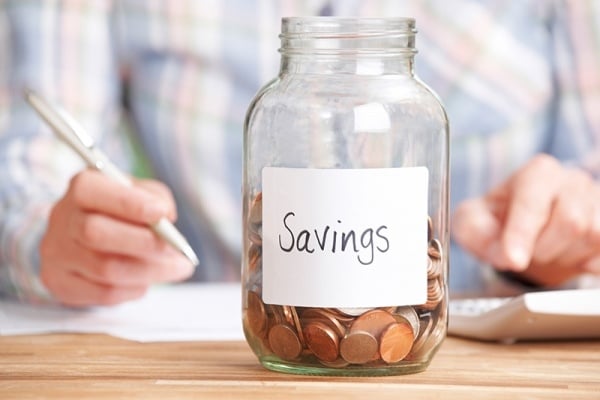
(345, 190)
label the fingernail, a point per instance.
(518, 255)
(513, 256)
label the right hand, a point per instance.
(98, 248)
(542, 223)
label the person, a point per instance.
(520, 82)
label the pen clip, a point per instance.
(97, 159)
(67, 129)
(76, 129)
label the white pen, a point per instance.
(74, 135)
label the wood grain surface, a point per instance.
(69, 366)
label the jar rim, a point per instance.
(341, 26)
(347, 35)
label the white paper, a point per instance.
(345, 237)
(183, 312)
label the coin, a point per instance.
(353, 311)
(435, 249)
(298, 325)
(359, 347)
(322, 341)
(328, 317)
(255, 221)
(395, 342)
(339, 363)
(284, 342)
(429, 228)
(255, 215)
(287, 314)
(255, 235)
(434, 268)
(408, 314)
(254, 257)
(256, 314)
(344, 319)
(426, 325)
(435, 294)
(373, 321)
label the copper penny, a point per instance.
(344, 319)
(434, 268)
(255, 235)
(435, 249)
(330, 318)
(322, 341)
(359, 347)
(297, 325)
(429, 228)
(277, 313)
(254, 257)
(339, 363)
(435, 294)
(284, 342)
(287, 314)
(395, 342)
(256, 210)
(256, 314)
(425, 329)
(374, 322)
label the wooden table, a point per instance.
(69, 366)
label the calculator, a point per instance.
(546, 315)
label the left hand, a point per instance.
(543, 222)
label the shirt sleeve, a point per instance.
(576, 54)
(62, 50)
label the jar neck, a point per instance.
(358, 46)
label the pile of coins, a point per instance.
(435, 266)
(339, 337)
(334, 337)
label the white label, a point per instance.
(345, 237)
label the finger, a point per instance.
(74, 290)
(93, 191)
(593, 233)
(552, 275)
(475, 227)
(126, 271)
(569, 220)
(104, 234)
(160, 189)
(532, 193)
(592, 265)
(578, 254)
(117, 270)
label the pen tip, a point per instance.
(189, 253)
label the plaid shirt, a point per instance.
(516, 77)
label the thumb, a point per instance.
(475, 227)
